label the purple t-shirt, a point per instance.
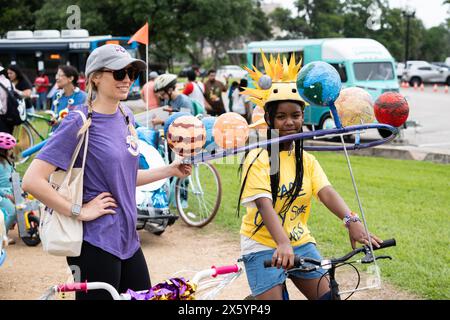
(110, 167)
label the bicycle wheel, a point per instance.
(25, 140)
(33, 238)
(198, 196)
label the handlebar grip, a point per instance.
(225, 269)
(386, 243)
(298, 262)
(73, 287)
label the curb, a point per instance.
(393, 152)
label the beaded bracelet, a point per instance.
(351, 217)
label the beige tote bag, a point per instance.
(62, 235)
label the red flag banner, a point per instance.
(141, 35)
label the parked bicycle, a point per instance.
(205, 285)
(196, 198)
(37, 126)
(305, 264)
(27, 212)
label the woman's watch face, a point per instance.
(76, 210)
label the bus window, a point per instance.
(28, 63)
(51, 64)
(340, 68)
(5, 59)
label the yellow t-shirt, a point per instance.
(257, 185)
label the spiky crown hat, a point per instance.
(278, 84)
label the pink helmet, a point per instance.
(7, 141)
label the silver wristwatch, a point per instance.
(76, 210)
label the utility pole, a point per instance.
(408, 13)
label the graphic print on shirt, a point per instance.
(294, 211)
(132, 145)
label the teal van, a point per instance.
(363, 63)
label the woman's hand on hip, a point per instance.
(98, 207)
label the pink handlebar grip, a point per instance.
(225, 269)
(70, 287)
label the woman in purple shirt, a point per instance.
(111, 249)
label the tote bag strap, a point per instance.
(84, 138)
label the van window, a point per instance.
(425, 68)
(258, 63)
(366, 71)
(340, 68)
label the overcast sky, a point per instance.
(431, 12)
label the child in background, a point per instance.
(7, 143)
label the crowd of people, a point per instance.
(162, 91)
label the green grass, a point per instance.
(405, 200)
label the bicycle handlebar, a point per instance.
(87, 286)
(73, 287)
(299, 261)
(225, 269)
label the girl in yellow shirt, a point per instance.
(277, 187)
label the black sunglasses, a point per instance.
(119, 75)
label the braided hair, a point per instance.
(292, 194)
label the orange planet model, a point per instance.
(230, 130)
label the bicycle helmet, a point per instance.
(277, 84)
(165, 81)
(7, 141)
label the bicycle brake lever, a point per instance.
(302, 269)
(308, 269)
(368, 258)
(384, 257)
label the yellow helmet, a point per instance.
(278, 84)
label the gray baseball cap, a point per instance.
(113, 57)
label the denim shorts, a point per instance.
(261, 279)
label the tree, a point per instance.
(436, 44)
(17, 15)
(314, 19)
(218, 24)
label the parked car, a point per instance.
(418, 72)
(231, 71)
(399, 68)
(441, 64)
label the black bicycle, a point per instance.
(305, 264)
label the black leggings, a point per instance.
(97, 265)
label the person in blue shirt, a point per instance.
(68, 95)
(175, 101)
(165, 89)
